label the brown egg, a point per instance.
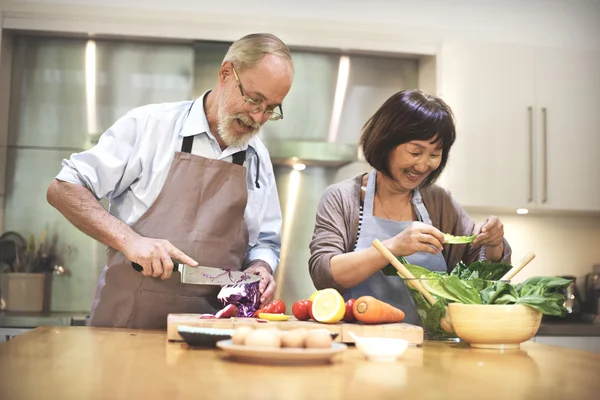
(294, 338)
(264, 338)
(318, 339)
(239, 336)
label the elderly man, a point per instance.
(188, 181)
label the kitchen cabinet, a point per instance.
(526, 126)
(567, 100)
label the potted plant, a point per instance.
(24, 270)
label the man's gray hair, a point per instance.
(249, 50)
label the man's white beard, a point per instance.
(224, 128)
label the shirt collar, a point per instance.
(196, 123)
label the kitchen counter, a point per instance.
(569, 329)
(99, 363)
(33, 320)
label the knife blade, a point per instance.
(208, 275)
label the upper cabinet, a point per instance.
(489, 90)
(567, 88)
(528, 126)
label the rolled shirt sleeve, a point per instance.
(105, 169)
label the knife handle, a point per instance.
(139, 268)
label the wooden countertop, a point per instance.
(97, 363)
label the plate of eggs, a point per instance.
(274, 346)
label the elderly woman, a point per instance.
(407, 142)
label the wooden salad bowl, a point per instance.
(494, 326)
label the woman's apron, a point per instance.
(200, 210)
(392, 289)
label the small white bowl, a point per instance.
(379, 349)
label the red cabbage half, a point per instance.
(246, 297)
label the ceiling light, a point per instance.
(299, 167)
(522, 211)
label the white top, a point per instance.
(130, 163)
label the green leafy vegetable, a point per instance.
(541, 293)
(451, 239)
(462, 290)
(478, 283)
(487, 270)
(423, 273)
(435, 287)
(389, 269)
(497, 290)
(537, 292)
(550, 282)
(430, 315)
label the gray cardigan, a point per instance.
(336, 228)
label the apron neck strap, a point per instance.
(239, 157)
(419, 206)
(188, 142)
(370, 194)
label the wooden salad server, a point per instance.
(445, 322)
(519, 266)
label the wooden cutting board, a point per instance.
(412, 333)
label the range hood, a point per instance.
(310, 153)
(332, 97)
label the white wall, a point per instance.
(563, 245)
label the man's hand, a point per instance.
(155, 255)
(267, 283)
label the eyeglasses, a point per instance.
(255, 107)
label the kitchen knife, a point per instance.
(208, 275)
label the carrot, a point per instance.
(369, 310)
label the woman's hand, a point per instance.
(417, 237)
(490, 234)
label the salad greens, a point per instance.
(486, 270)
(451, 239)
(479, 283)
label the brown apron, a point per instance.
(200, 210)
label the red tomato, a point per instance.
(274, 307)
(301, 309)
(310, 311)
(349, 314)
